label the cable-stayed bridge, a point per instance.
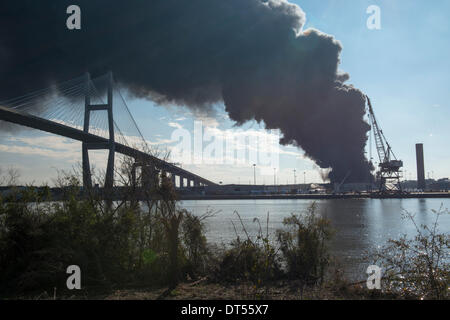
(94, 112)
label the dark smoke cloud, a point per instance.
(251, 54)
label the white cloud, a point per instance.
(49, 146)
(45, 146)
(160, 141)
(175, 125)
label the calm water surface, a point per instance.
(361, 225)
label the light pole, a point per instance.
(254, 173)
(295, 177)
(304, 177)
(274, 177)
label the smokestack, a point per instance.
(420, 167)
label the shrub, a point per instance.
(418, 267)
(194, 244)
(114, 245)
(304, 246)
(255, 260)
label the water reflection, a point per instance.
(421, 215)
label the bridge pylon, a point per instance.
(110, 145)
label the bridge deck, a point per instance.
(28, 120)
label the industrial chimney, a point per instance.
(420, 167)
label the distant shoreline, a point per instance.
(196, 194)
(315, 196)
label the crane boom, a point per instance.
(377, 133)
(389, 165)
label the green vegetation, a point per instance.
(254, 260)
(124, 244)
(417, 268)
(304, 247)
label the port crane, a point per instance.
(389, 172)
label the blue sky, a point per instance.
(403, 67)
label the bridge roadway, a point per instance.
(31, 121)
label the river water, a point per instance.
(361, 225)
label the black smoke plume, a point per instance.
(251, 54)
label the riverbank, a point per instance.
(146, 249)
(203, 289)
(281, 290)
